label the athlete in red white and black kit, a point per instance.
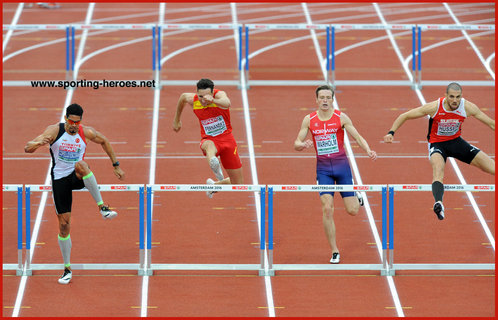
(445, 127)
(211, 106)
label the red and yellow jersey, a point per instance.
(214, 121)
(446, 125)
(328, 136)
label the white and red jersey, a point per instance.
(446, 125)
(328, 136)
(214, 121)
(65, 151)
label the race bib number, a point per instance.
(326, 144)
(69, 152)
(448, 127)
(214, 126)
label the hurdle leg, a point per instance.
(391, 231)
(148, 259)
(19, 232)
(28, 271)
(141, 267)
(262, 231)
(270, 232)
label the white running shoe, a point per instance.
(107, 213)
(210, 193)
(360, 198)
(336, 257)
(66, 276)
(214, 163)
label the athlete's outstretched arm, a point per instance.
(473, 110)
(300, 143)
(182, 101)
(426, 109)
(48, 136)
(97, 137)
(222, 100)
(347, 124)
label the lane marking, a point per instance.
(466, 35)
(373, 227)
(13, 23)
(152, 168)
(43, 200)
(252, 158)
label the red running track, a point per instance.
(189, 228)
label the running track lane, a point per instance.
(345, 103)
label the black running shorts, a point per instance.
(62, 191)
(456, 148)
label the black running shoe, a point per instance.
(439, 210)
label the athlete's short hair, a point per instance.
(454, 86)
(205, 84)
(325, 87)
(74, 109)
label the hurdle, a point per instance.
(16, 188)
(383, 267)
(448, 27)
(256, 189)
(29, 267)
(439, 266)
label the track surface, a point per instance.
(188, 227)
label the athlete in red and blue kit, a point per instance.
(332, 167)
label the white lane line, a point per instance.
(13, 23)
(152, 172)
(373, 227)
(488, 59)
(252, 161)
(470, 196)
(43, 201)
(472, 44)
(452, 161)
(445, 42)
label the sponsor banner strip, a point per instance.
(11, 187)
(228, 26)
(321, 188)
(447, 187)
(205, 187)
(102, 187)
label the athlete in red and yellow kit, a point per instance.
(327, 126)
(211, 106)
(445, 127)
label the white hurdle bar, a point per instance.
(383, 267)
(261, 189)
(29, 267)
(434, 266)
(16, 188)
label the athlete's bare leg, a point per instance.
(81, 169)
(437, 163)
(352, 205)
(328, 220)
(484, 162)
(64, 224)
(210, 150)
